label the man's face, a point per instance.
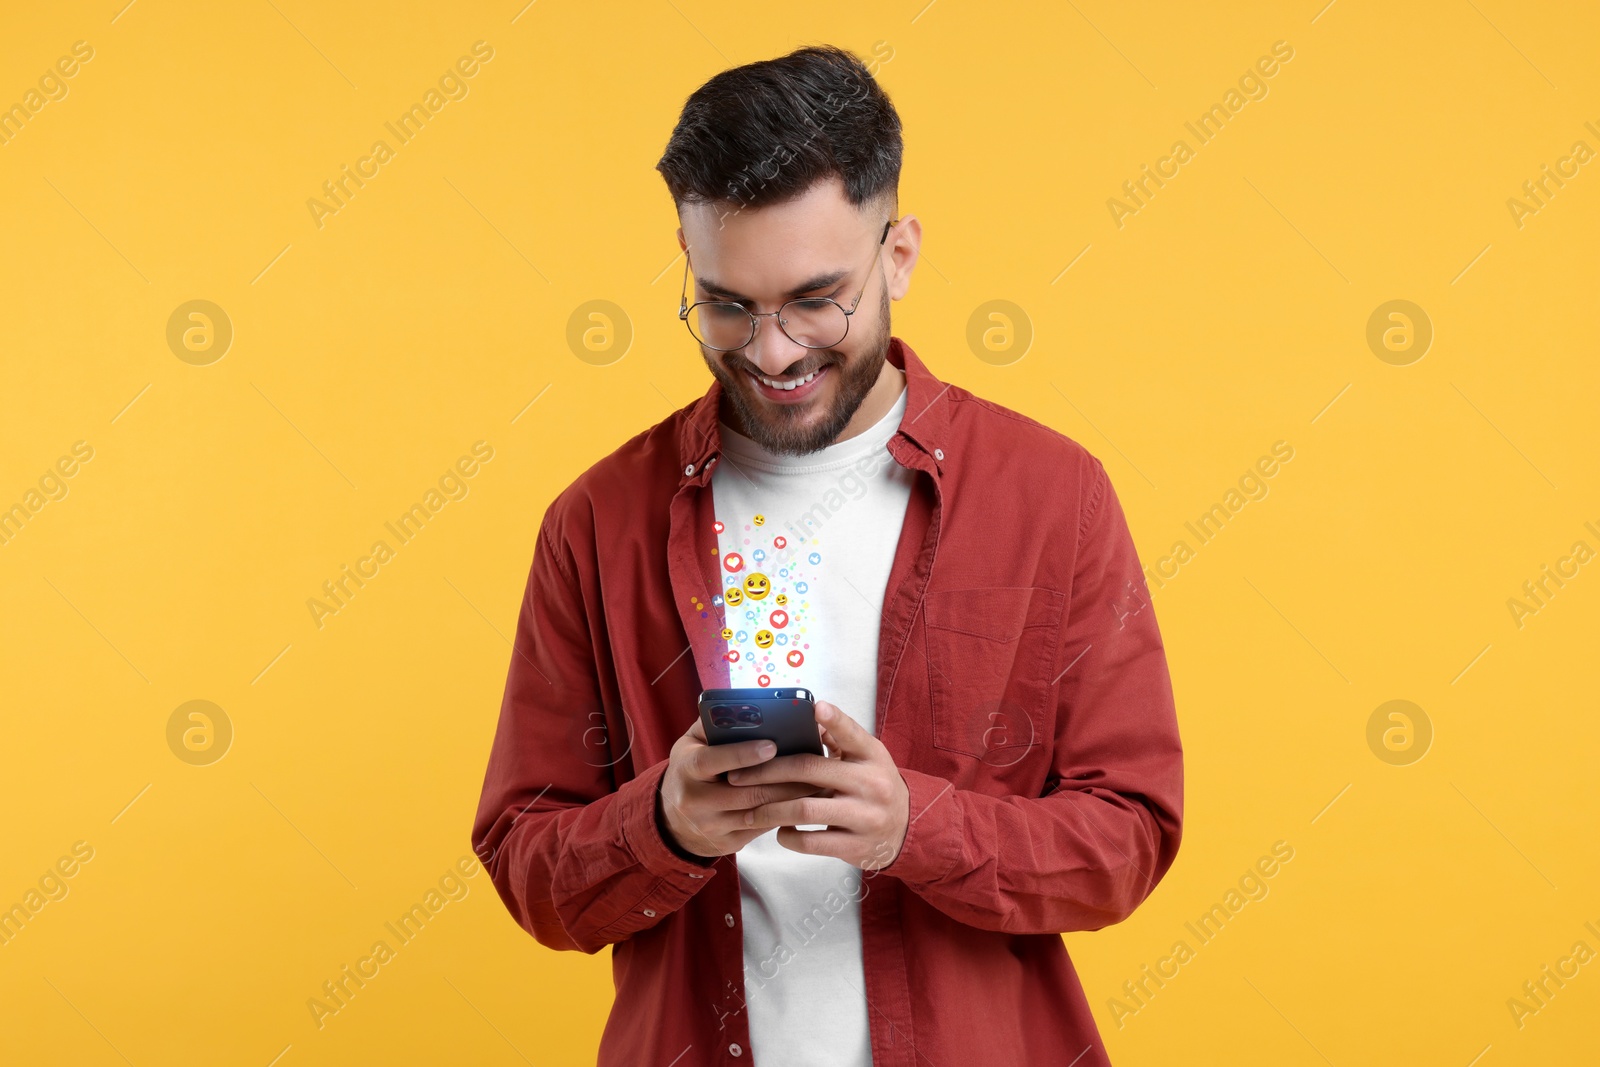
(762, 257)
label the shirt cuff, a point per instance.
(643, 831)
(934, 833)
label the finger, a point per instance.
(740, 799)
(723, 816)
(850, 737)
(835, 812)
(828, 791)
(697, 730)
(840, 844)
(709, 763)
(801, 767)
(830, 744)
(846, 845)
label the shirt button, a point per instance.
(735, 1050)
(650, 913)
(697, 876)
(938, 453)
(689, 469)
(728, 918)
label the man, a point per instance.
(954, 581)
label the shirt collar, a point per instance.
(926, 420)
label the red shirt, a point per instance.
(1022, 691)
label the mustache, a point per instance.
(794, 371)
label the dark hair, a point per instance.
(765, 132)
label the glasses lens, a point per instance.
(814, 323)
(720, 326)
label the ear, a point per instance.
(904, 243)
(682, 243)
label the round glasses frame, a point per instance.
(685, 308)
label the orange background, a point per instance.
(434, 310)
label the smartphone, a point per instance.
(786, 717)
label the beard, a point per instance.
(785, 429)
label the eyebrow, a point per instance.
(820, 281)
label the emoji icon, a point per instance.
(756, 586)
(733, 561)
(795, 657)
(815, 558)
(783, 598)
(801, 587)
(763, 638)
(734, 595)
(763, 681)
(783, 639)
(726, 633)
(732, 655)
(760, 520)
(759, 554)
(779, 619)
(717, 526)
(780, 541)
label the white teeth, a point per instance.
(786, 386)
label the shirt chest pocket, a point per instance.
(991, 669)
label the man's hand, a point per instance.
(704, 814)
(865, 803)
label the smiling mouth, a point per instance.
(785, 384)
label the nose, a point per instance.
(771, 350)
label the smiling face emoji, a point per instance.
(763, 638)
(733, 594)
(783, 599)
(727, 634)
(756, 586)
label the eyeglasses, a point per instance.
(812, 321)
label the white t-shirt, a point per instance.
(821, 529)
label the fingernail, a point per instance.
(765, 749)
(750, 818)
(735, 777)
